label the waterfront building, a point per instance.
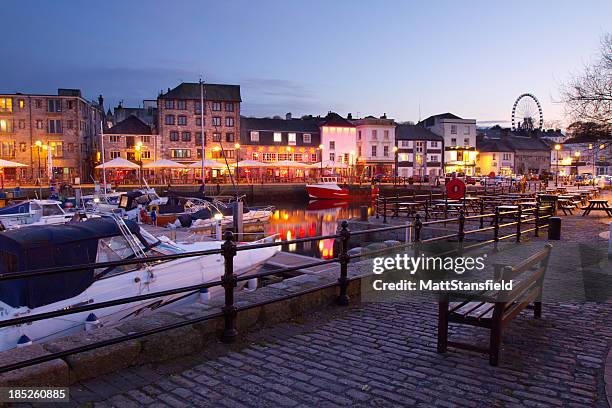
(583, 155)
(339, 139)
(459, 141)
(270, 140)
(494, 156)
(133, 140)
(375, 142)
(65, 125)
(531, 155)
(419, 152)
(180, 122)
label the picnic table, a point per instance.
(410, 207)
(597, 205)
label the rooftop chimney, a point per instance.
(349, 116)
(101, 102)
(288, 116)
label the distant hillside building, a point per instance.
(459, 141)
(420, 151)
(147, 113)
(67, 122)
(180, 122)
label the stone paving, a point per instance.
(383, 355)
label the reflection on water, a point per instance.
(316, 218)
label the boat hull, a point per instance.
(322, 192)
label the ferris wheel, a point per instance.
(527, 113)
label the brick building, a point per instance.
(180, 126)
(67, 122)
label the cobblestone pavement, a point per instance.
(382, 355)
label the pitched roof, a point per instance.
(492, 145)
(333, 119)
(280, 125)
(216, 92)
(525, 143)
(415, 132)
(130, 126)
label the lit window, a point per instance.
(254, 136)
(291, 139)
(278, 137)
(307, 138)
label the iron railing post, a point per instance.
(376, 202)
(461, 233)
(537, 219)
(519, 217)
(481, 213)
(427, 204)
(345, 235)
(385, 210)
(418, 225)
(229, 283)
(496, 225)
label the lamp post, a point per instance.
(38, 145)
(577, 155)
(352, 163)
(138, 149)
(237, 147)
(557, 148)
(321, 150)
(395, 149)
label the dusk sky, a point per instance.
(472, 58)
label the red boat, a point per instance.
(327, 189)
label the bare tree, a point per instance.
(588, 97)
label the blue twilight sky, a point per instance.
(472, 58)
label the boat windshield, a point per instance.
(113, 249)
(52, 209)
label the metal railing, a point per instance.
(229, 281)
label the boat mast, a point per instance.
(203, 138)
(103, 161)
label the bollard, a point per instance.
(345, 234)
(418, 225)
(363, 213)
(385, 210)
(229, 283)
(554, 228)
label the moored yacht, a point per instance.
(33, 212)
(326, 189)
(99, 240)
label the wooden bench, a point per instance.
(497, 309)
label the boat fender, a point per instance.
(144, 217)
(24, 341)
(252, 284)
(92, 322)
(204, 295)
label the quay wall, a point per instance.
(308, 292)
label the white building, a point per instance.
(582, 156)
(339, 139)
(375, 141)
(459, 141)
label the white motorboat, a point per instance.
(33, 212)
(252, 215)
(99, 240)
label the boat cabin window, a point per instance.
(114, 249)
(52, 209)
(33, 206)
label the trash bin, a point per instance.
(554, 228)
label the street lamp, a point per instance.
(138, 149)
(321, 149)
(557, 148)
(577, 155)
(237, 147)
(38, 145)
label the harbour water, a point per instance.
(310, 219)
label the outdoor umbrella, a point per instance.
(207, 163)
(328, 164)
(9, 164)
(164, 164)
(117, 163)
(290, 164)
(250, 163)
